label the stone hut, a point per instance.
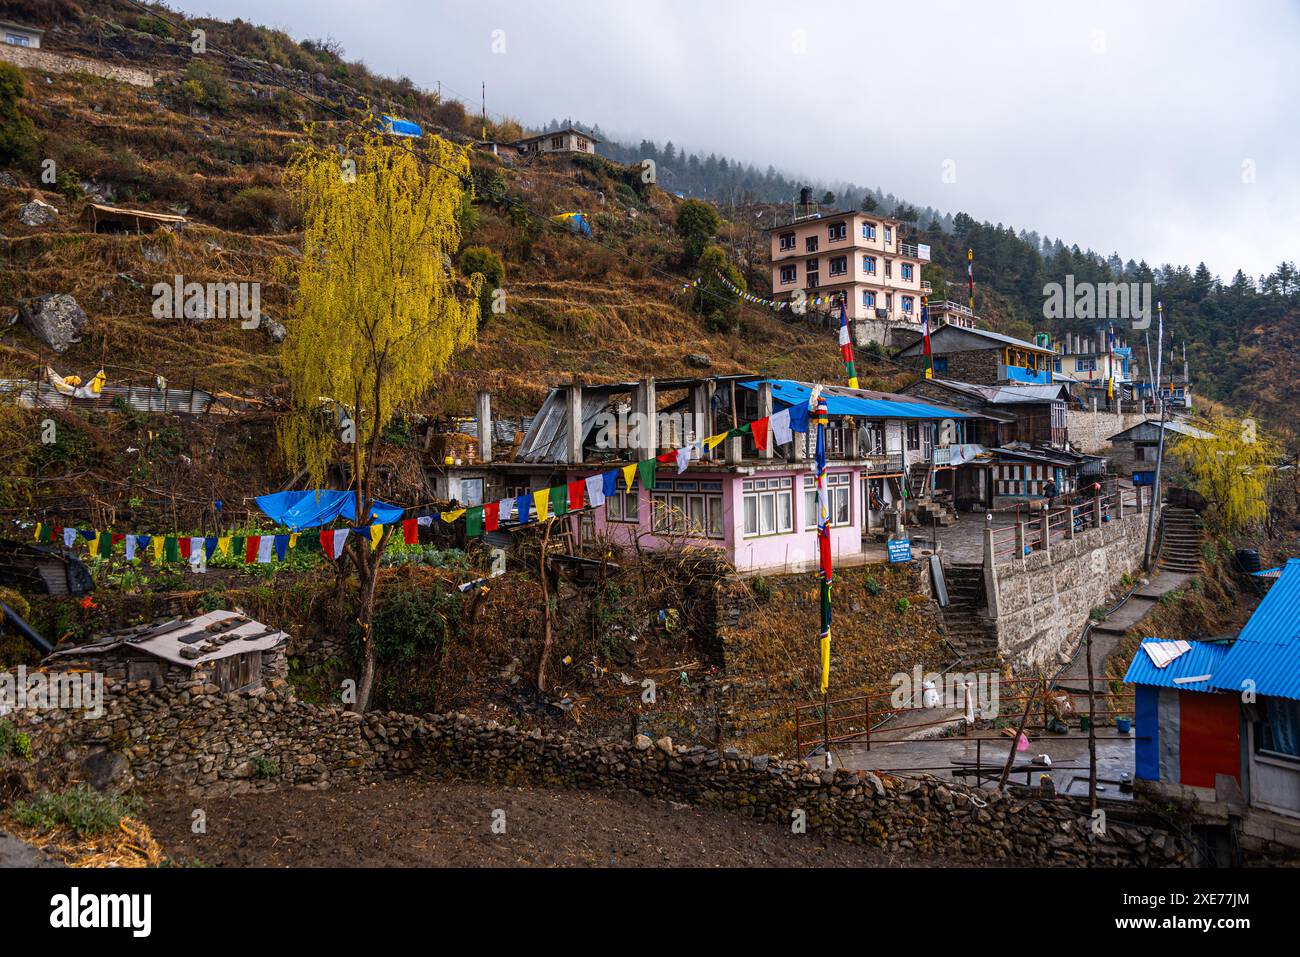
(222, 648)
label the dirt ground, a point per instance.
(443, 824)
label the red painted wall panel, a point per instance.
(1209, 742)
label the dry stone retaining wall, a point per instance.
(215, 743)
(56, 63)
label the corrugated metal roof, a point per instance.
(842, 401)
(1203, 658)
(1267, 652)
(1277, 619)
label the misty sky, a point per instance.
(1164, 131)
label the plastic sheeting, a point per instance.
(309, 509)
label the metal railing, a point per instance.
(1027, 534)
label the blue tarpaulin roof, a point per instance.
(789, 392)
(299, 510)
(400, 127)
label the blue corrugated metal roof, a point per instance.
(1267, 669)
(1267, 652)
(1277, 619)
(1203, 658)
(789, 392)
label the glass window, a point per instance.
(839, 265)
(869, 265)
(836, 232)
(907, 270)
(868, 230)
(787, 240)
(788, 275)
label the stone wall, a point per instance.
(977, 366)
(223, 744)
(1043, 599)
(56, 63)
(1089, 431)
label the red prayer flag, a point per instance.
(758, 428)
(327, 543)
(250, 548)
(667, 457)
(410, 531)
(577, 489)
(492, 516)
(184, 545)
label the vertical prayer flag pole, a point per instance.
(846, 344)
(970, 276)
(824, 552)
(925, 333)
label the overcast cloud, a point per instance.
(1164, 131)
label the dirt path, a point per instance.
(437, 824)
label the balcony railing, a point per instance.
(914, 250)
(879, 463)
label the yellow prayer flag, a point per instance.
(450, 517)
(38, 531)
(223, 546)
(94, 544)
(629, 473)
(293, 539)
(157, 543)
(713, 441)
(376, 533)
(542, 502)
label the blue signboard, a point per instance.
(900, 550)
(1144, 478)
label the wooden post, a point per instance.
(1011, 756)
(1092, 729)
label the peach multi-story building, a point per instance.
(856, 253)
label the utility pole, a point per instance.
(1155, 491)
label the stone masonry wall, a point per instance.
(56, 63)
(1090, 430)
(210, 743)
(1044, 598)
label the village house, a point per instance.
(981, 357)
(568, 140)
(1024, 442)
(753, 504)
(1134, 450)
(859, 255)
(1219, 720)
(21, 35)
(221, 648)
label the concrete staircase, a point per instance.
(971, 634)
(1181, 532)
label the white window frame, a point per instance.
(839, 493)
(771, 501)
(789, 275)
(841, 270)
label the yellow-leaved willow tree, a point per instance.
(1232, 466)
(379, 312)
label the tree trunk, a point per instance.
(549, 634)
(367, 559)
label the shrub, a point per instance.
(901, 605)
(17, 134)
(261, 207)
(762, 589)
(264, 767)
(14, 742)
(874, 587)
(485, 262)
(697, 223)
(82, 809)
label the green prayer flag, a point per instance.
(474, 521)
(740, 432)
(645, 470)
(171, 549)
(45, 533)
(237, 546)
(105, 544)
(559, 500)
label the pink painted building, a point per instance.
(757, 506)
(858, 254)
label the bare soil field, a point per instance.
(444, 824)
